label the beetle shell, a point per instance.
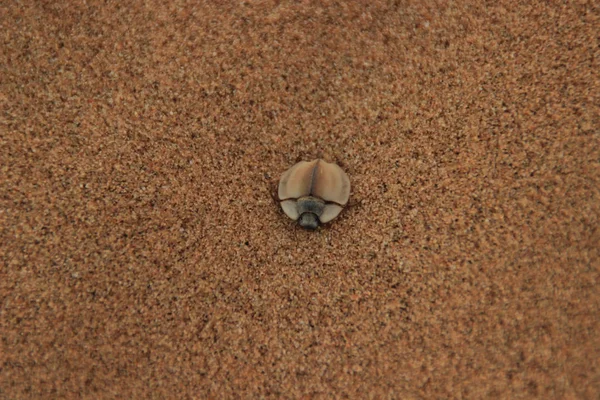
(313, 192)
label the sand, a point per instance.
(141, 252)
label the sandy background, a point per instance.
(142, 255)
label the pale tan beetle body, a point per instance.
(313, 192)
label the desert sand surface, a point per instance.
(142, 254)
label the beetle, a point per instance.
(313, 192)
